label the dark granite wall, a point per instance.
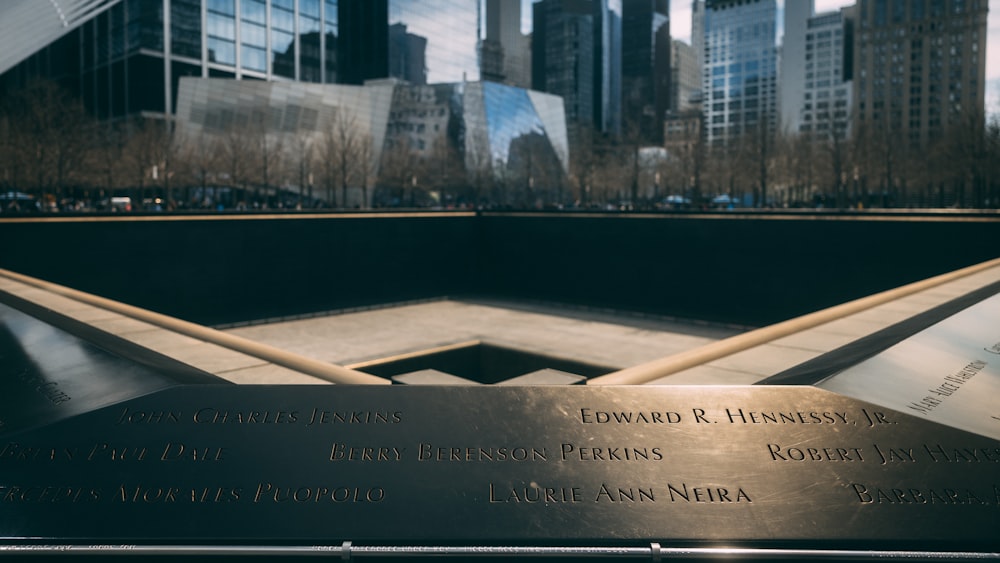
(753, 271)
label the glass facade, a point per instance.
(564, 56)
(740, 72)
(448, 35)
(645, 67)
(573, 46)
(137, 46)
(515, 136)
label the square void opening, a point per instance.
(480, 362)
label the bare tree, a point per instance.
(203, 157)
(149, 152)
(45, 132)
(399, 170)
(341, 148)
(269, 150)
(302, 145)
(446, 169)
(237, 155)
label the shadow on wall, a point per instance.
(750, 271)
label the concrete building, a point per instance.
(739, 77)
(920, 67)
(816, 72)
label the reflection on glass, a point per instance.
(185, 28)
(253, 34)
(308, 25)
(282, 19)
(450, 29)
(309, 8)
(253, 11)
(253, 58)
(227, 7)
(283, 53)
(517, 138)
(223, 27)
(221, 51)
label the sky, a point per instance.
(680, 28)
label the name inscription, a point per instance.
(354, 463)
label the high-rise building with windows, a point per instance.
(505, 51)
(698, 29)
(563, 57)
(685, 78)
(574, 50)
(645, 66)
(816, 72)
(739, 77)
(920, 67)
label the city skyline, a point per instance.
(680, 29)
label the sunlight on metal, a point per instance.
(323, 370)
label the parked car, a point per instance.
(17, 203)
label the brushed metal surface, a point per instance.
(736, 467)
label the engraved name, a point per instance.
(48, 494)
(209, 415)
(937, 452)
(783, 453)
(343, 452)
(588, 453)
(269, 492)
(48, 389)
(153, 494)
(319, 416)
(740, 416)
(428, 452)
(869, 494)
(590, 416)
(147, 417)
(947, 388)
(534, 493)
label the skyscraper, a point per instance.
(506, 52)
(919, 67)
(575, 53)
(698, 29)
(685, 77)
(645, 66)
(129, 56)
(816, 72)
(739, 78)
(607, 65)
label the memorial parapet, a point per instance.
(107, 449)
(757, 467)
(53, 367)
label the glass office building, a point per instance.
(128, 59)
(739, 75)
(574, 46)
(645, 67)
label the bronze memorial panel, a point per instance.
(760, 467)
